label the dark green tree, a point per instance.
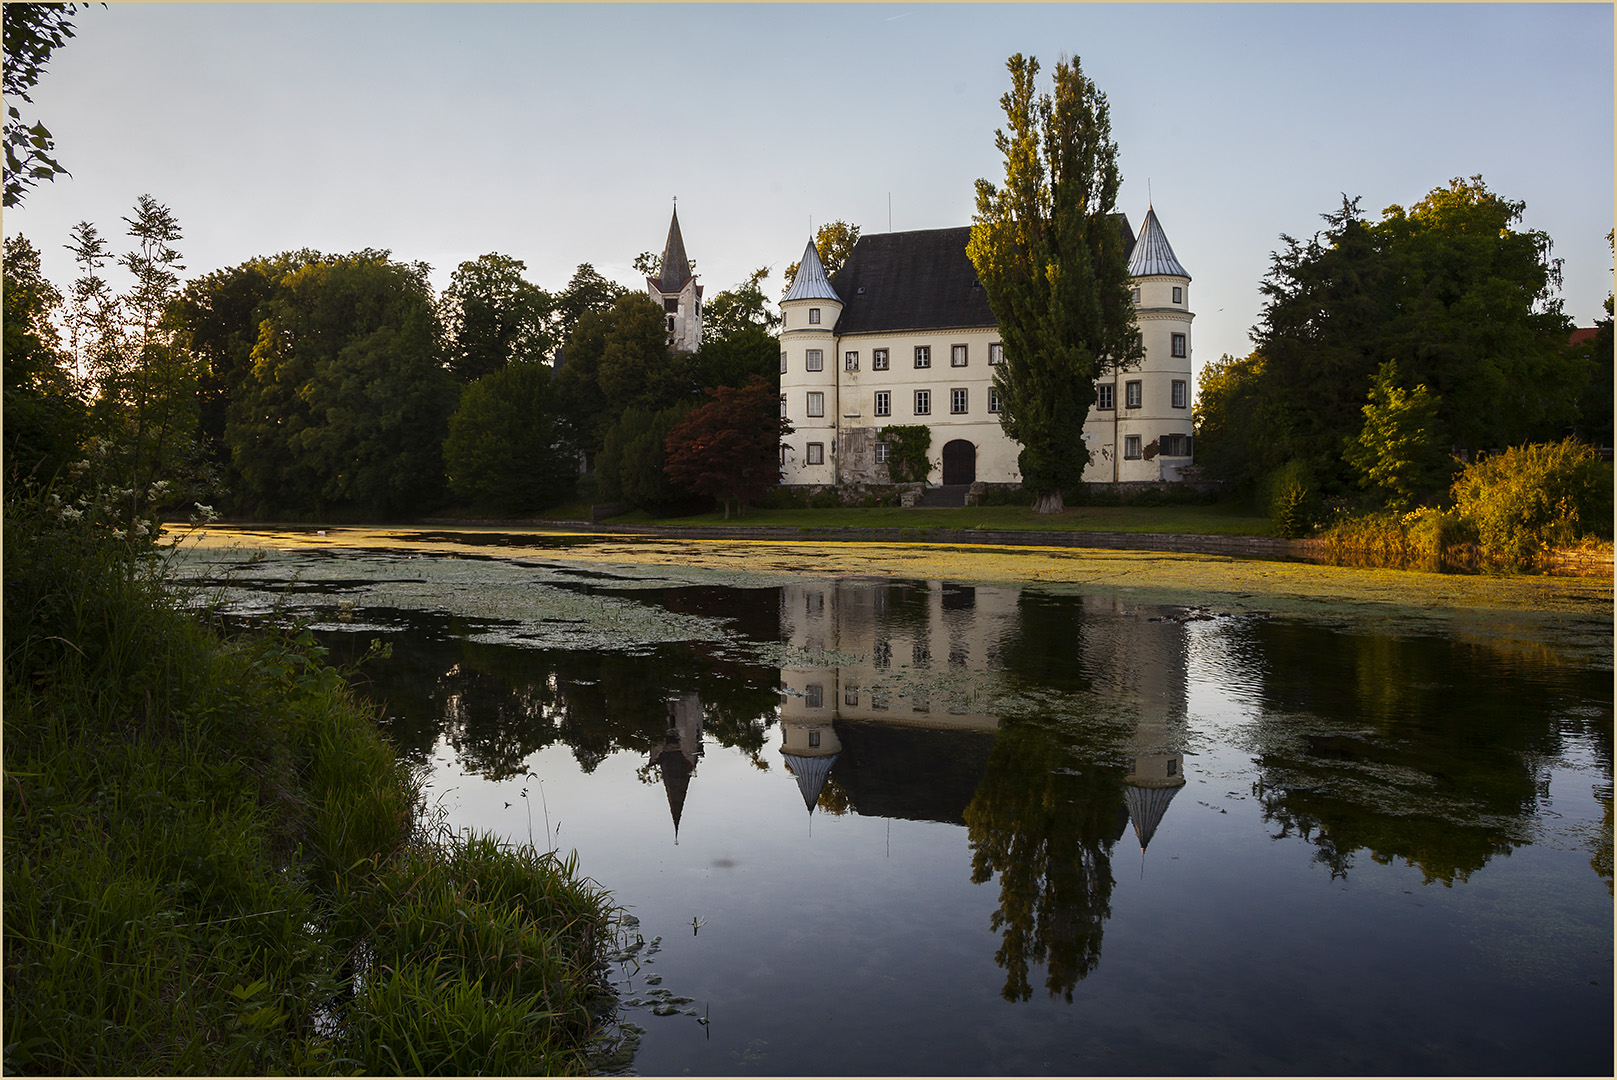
(44, 416)
(1229, 415)
(349, 400)
(493, 317)
(1051, 261)
(32, 32)
(631, 465)
(587, 291)
(1398, 451)
(617, 359)
(504, 451)
(1462, 299)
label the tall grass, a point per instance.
(213, 860)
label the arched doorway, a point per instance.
(959, 462)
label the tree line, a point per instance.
(308, 384)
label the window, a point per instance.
(878, 359)
(957, 400)
(923, 356)
(1105, 396)
(850, 361)
(1179, 393)
(670, 324)
(993, 399)
(1131, 394)
(783, 405)
(923, 402)
(957, 356)
(1178, 295)
(814, 736)
(996, 354)
(814, 316)
(1136, 296)
(883, 453)
(883, 655)
(1179, 345)
(884, 403)
(670, 303)
(783, 363)
(1131, 446)
(816, 453)
(813, 360)
(850, 696)
(813, 695)
(1176, 446)
(816, 403)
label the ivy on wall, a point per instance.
(908, 446)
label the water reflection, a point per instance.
(1051, 728)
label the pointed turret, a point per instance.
(676, 268)
(811, 282)
(1153, 256)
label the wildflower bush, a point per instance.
(1530, 499)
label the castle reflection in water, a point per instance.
(889, 702)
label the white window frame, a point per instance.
(1131, 447)
(1179, 345)
(884, 453)
(923, 356)
(958, 355)
(813, 360)
(814, 696)
(993, 399)
(783, 363)
(1136, 295)
(959, 401)
(783, 406)
(816, 403)
(1178, 295)
(814, 454)
(850, 361)
(996, 353)
(1133, 395)
(923, 403)
(1180, 444)
(878, 359)
(1105, 396)
(1181, 399)
(814, 316)
(884, 403)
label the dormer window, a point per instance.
(814, 316)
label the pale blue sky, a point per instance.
(558, 134)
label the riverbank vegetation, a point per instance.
(215, 863)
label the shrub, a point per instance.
(1536, 497)
(1291, 499)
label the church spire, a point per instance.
(676, 269)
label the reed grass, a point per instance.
(215, 863)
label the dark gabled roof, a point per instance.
(918, 280)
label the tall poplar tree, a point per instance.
(1052, 262)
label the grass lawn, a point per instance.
(1219, 519)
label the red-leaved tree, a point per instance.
(730, 447)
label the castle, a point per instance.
(906, 337)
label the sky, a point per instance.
(562, 134)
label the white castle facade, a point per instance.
(906, 337)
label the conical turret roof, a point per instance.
(811, 282)
(811, 773)
(676, 269)
(1152, 253)
(1146, 806)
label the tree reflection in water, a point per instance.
(1045, 819)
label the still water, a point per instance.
(877, 826)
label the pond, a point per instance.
(1066, 822)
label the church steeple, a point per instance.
(675, 290)
(676, 268)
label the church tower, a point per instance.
(676, 291)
